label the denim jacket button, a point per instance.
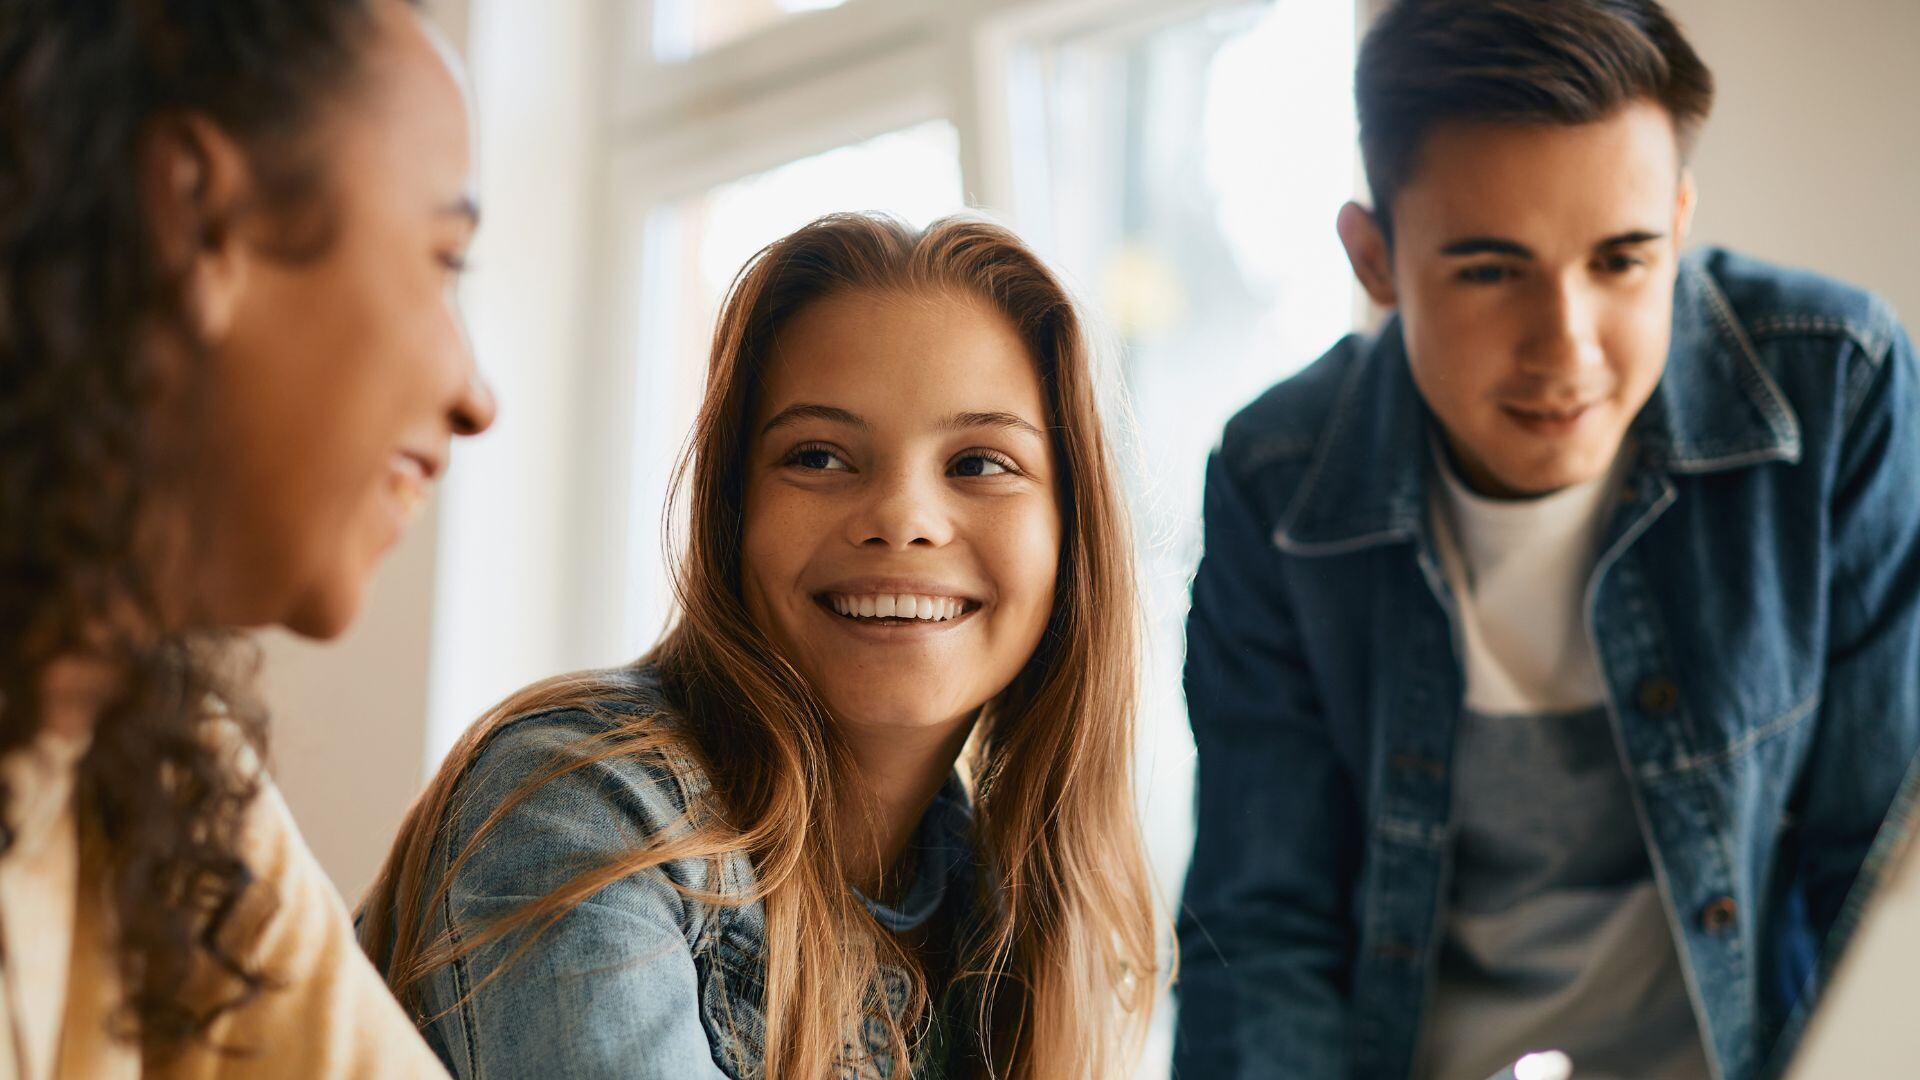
(1720, 915)
(1658, 696)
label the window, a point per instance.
(685, 28)
(1186, 170)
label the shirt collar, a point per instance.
(1716, 408)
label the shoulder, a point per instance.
(1767, 302)
(584, 781)
(1285, 424)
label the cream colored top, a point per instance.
(331, 1017)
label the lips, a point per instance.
(896, 606)
(1546, 419)
(408, 477)
(897, 602)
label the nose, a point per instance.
(902, 511)
(1564, 337)
(473, 411)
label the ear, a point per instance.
(1366, 246)
(1683, 210)
(195, 184)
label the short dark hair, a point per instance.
(1429, 62)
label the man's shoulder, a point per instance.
(1286, 423)
(1768, 302)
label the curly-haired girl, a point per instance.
(230, 365)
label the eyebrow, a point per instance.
(1495, 245)
(794, 414)
(1006, 420)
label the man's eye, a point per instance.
(1484, 274)
(981, 465)
(1620, 264)
(816, 459)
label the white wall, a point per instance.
(1812, 157)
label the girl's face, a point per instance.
(338, 380)
(902, 524)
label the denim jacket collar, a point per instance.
(1715, 409)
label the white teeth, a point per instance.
(896, 606)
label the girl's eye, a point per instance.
(978, 464)
(816, 459)
(454, 261)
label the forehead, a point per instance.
(1580, 181)
(406, 124)
(890, 356)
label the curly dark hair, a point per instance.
(86, 469)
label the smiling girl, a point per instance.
(866, 810)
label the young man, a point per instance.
(1556, 652)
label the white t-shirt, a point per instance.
(1555, 935)
(1519, 570)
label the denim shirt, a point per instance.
(639, 980)
(1755, 609)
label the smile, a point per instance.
(1547, 414)
(407, 482)
(896, 608)
(1547, 421)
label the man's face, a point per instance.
(1533, 267)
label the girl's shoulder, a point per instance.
(590, 778)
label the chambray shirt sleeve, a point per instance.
(610, 990)
(1870, 715)
(1265, 938)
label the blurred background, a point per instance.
(1180, 161)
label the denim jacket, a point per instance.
(1755, 608)
(640, 980)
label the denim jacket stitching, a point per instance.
(1774, 405)
(1689, 763)
(1874, 344)
(1417, 834)
(469, 1022)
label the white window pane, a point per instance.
(1187, 175)
(695, 246)
(683, 29)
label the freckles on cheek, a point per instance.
(1029, 550)
(775, 538)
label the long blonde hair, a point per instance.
(1063, 976)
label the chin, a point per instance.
(1556, 477)
(907, 709)
(326, 615)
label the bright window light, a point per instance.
(683, 29)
